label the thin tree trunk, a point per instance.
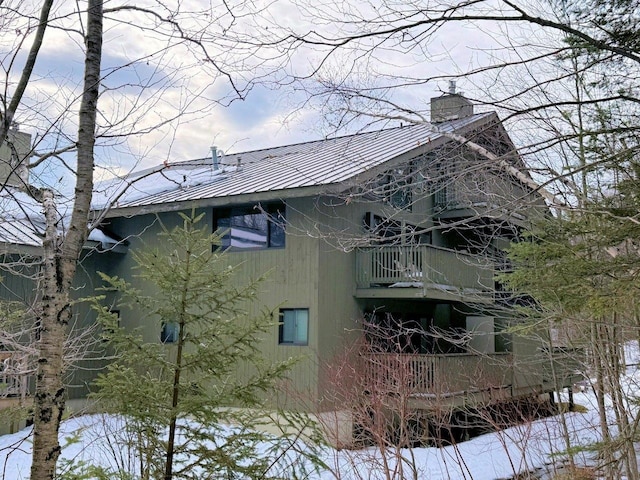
(599, 390)
(627, 434)
(49, 398)
(60, 256)
(168, 473)
(558, 387)
(16, 98)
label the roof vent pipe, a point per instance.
(214, 157)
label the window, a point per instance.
(398, 188)
(294, 326)
(395, 187)
(169, 333)
(252, 227)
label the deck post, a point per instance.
(571, 404)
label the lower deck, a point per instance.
(418, 399)
(429, 381)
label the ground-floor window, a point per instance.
(294, 326)
(169, 332)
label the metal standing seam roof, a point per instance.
(21, 218)
(20, 232)
(317, 163)
(22, 222)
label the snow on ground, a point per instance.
(491, 456)
(488, 457)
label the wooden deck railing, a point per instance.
(422, 266)
(567, 368)
(437, 375)
(14, 376)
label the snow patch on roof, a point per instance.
(22, 220)
(147, 183)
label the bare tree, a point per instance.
(398, 399)
(543, 49)
(134, 93)
(565, 79)
(60, 257)
(8, 112)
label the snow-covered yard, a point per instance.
(90, 439)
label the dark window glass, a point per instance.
(251, 227)
(169, 333)
(276, 225)
(398, 192)
(294, 326)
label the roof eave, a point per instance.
(20, 249)
(254, 197)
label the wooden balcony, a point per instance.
(422, 271)
(451, 379)
(14, 378)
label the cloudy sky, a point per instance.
(165, 98)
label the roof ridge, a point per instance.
(325, 139)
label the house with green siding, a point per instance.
(389, 240)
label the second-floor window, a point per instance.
(252, 227)
(398, 188)
(393, 187)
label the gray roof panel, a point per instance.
(311, 164)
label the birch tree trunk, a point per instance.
(60, 256)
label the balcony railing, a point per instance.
(423, 266)
(437, 375)
(567, 368)
(451, 198)
(14, 376)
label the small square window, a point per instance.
(169, 333)
(294, 326)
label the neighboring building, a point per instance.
(14, 153)
(18, 241)
(398, 230)
(22, 227)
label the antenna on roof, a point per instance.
(452, 87)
